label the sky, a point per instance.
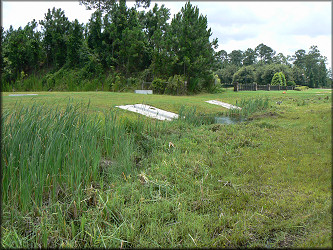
(285, 26)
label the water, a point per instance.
(228, 120)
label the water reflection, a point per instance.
(229, 120)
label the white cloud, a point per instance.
(19, 13)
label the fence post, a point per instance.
(255, 86)
(279, 86)
(268, 87)
(236, 86)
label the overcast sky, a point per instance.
(285, 26)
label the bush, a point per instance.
(265, 74)
(133, 83)
(209, 81)
(91, 69)
(196, 84)
(48, 81)
(301, 88)
(291, 83)
(176, 85)
(217, 87)
(245, 75)
(119, 83)
(278, 79)
(158, 86)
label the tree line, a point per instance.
(262, 63)
(121, 47)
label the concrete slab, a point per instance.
(145, 92)
(21, 94)
(223, 104)
(150, 111)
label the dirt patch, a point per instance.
(216, 127)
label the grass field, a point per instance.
(77, 172)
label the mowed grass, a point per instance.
(97, 176)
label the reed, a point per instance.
(249, 106)
(47, 151)
(191, 116)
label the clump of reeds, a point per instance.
(249, 106)
(46, 152)
(191, 116)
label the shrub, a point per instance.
(118, 84)
(158, 85)
(265, 74)
(91, 69)
(133, 82)
(301, 88)
(196, 84)
(176, 85)
(279, 79)
(209, 81)
(217, 88)
(291, 83)
(244, 75)
(48, 81)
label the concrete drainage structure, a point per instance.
(145, 92)
(21, 94)
(223, 104)
(150, 111)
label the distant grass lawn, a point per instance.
(124, 180)
(102, 100)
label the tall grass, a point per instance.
(249, 106)
(47, 152)
(191, 116)
(118, 144)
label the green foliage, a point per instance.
(291, 83)
(250, 106)
(301, 88)
(265, 53)
(158, 86)
(278, 79)
(75, 42)
(313, 66)
(226, 74)
(249, 57)
(55, 28)
(191, 116)
(93, 68)
(217, 87)
(61, 149)
(236, 57)
(21, 51)
(245, 75)
(190, 47)
(176, 85)
(118, 83)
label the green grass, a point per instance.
(79, 175)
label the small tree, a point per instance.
(245, 75)
(283, 79)
(279, 79)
